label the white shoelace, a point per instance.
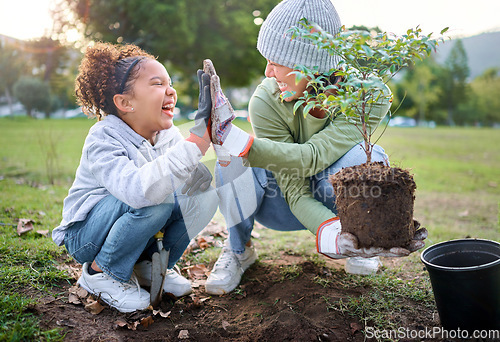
(131, 283)
(227, 256)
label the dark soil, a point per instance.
(375, 203)
(269, 305)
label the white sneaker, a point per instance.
(174, 282)
(125, 297)
(228, 269)
(363, 266)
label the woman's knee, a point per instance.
(379, 155)
(156, 214)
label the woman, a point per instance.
(291, 156)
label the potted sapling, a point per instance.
(374, 200)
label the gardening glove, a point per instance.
(199, 179)
(223, 156)
(200, 132)
(330, 241)
(233, 140)
(419, 237)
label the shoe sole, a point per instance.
(217, 290)
(98, 295)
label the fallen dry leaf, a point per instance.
(205, 241)
(73, 299)
(204, 299)
(225, 325)
(120, 322)
(196, 283)
(183, 334)
(162, 314)
(355, 327)
(67, 323)
(94, 307)
(24, 226)
(197, 271)
(73, 271)
(78, 291)
(43, 232)
(81, 292)
(147, 321)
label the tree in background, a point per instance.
(455, 79)
(54, 64)
(33, 94)
(180, 33)
(11, 68)
(421, 88)
(484, 104)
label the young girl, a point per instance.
(133, 162)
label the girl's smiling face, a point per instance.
(286, 80)
(152, 98)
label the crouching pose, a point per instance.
(137, 176)
(291, 156)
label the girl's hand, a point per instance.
(199, 179)
(200, 132)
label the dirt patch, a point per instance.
(287, 299)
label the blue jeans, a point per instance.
(249, 194)
(115, 235)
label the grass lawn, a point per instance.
(457, 171)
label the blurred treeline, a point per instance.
(40, 74)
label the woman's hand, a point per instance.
(234, 141)
(335, 244)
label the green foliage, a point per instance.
(421, 87)
(182, 33)
(56, 64)
(484, 102)
(455, 80)
(387, 294)
(290, 272)
(17, 324)
(367, 62)
(33, 94)
(27, 261)
(45, 59)
(11, 66)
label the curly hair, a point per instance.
(106, 70)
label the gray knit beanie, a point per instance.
(277, 46)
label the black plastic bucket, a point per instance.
(465, 278)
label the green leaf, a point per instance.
(297, 105)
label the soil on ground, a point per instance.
(272, 303)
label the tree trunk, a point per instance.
(9, 101)
(449, 118)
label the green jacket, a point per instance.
(295, 148)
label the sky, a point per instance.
(27, 19)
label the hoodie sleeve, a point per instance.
(147, 185)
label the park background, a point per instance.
(446, 132)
